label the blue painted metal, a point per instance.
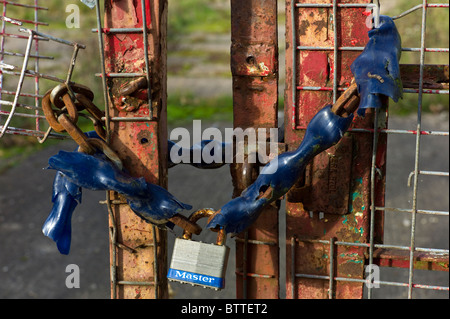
(277, 177)
(377, 69)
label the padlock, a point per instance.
(198, 263)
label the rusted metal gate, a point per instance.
(132, 47)
(334, 216)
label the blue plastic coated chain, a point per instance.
(376, 69)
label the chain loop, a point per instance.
(57, 93)
(49, 113)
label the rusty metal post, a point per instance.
(135, 47)
(254, 65)
(332, 203)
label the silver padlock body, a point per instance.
(199, 263)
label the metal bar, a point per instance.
(367, 245)
(373, 194)
(18, 36)
(339, 5)
(254, 41)
(101, 47)
(316, 48)
(364, 281)
(59, 40)
(31, 73)
(23, 5)
(342, 89)
(29, 21)
(120, 75)
(118, 30)
(294, 66)
(31, 55)
(293, 241)
(39, 96)
(418, 7)
(431, 173)
(389, 131)
(146, 59)
(33, 133)
(124, 131)
(331, 283)
(404, 210)
(417, 155)
(35, 116)
(335, 51)
(36, 79)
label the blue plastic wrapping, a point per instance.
(377, 69)
(95, 172)
(58, 226)
(280, 174)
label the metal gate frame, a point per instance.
(132, 46)
(325, 276)
(324, 260)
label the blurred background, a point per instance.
(199, 87)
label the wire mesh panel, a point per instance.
(20, 70)
(420, 79)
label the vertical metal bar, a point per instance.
(254, 66)
(147, 62)
(331, 283)
(245, 267)
(113, 232)
(36, 67)
(417, 153)
(2, 49)
(155, 261)
(294, 65)
(146, 279)
(336, 45)
(101, 47)
(373, 194)
(293, 244)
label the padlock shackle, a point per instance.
(203, 213)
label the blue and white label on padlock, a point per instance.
(197, 279)
(199, 263)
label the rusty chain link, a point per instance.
(69, 101)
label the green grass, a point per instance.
(191, 16)
(436, 37)
(185, 108)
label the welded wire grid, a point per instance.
(10, 95)
(108, 118)
(18, 106)
(414, 176)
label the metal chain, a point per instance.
(69, 101)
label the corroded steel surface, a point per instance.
(254, 65)
(344, 168)
(142, 145)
